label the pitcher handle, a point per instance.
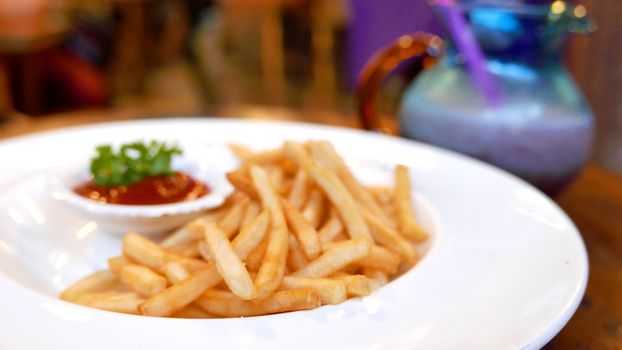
(419, 44)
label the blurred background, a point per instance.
(263, 58)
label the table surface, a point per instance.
(593, 201)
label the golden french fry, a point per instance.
(341, 236)
(188, 234)
(383, 195)
(116, 263)
(298, 193)
(334, 189)
(229, 265)
(391, 239)
(330, 291)
(217, 213)
(404, 206)
(252, 210)
(232, 221)
(142, 280)
(247, 240)
(382, 259)
(251, 235)
(273, 265)
(190, 264)
(377, 278)
(295, 257)
(314, 208)
(356, 285)
(384, 198)
(337, 257)
(247, 155)
(144, 251)
(274, 155)
(124, 302)
(182, 237)
(286, 186)
(175, 271)
(190, 251)
(192, 311)
(351, 269)
(204, 251)
(275, 175)
(179, 295)
(96, 282)
(307, 236)
(378, 258)
(180, 249)
(241, 151)
(324, 153)
(255, 258)
(331, 229)
(242, 182)
(228, 305)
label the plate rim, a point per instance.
(544, 335)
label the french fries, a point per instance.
(330, 291)
(116, 263)
(356, 285)
(300, 231)
(337, 257)
(142, 280)
(192, 311)
(232, 221)
(381, 259)
(255, 258)
(404, 206)
(181, 294)
(391, 239)
(228, 263)
(298, 193)
(228, 305)
(377, 277)
(124, 302)
(96, 282)
(175, 272)
(305, 233)
(333, 188)
(252, 210)
(251, 235)
(240, 180)
(324, 152)
(313, 209)
(331, 229)
(272, 268)
(144, 251)
(295, 257)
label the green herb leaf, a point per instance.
(132, 163)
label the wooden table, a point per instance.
(593, 201)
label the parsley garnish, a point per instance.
(132, 163)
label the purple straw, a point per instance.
(468, 46)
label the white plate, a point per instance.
(505, 269)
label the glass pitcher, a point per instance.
(495, 88)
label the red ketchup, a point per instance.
(160, 189)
